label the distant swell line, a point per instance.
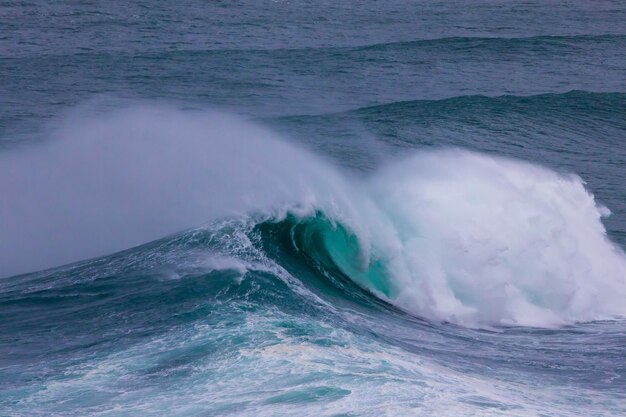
(452, 40)
(575, 100)
(455, 43)
(477, 41)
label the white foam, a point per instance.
(357, 374)
(482, 240)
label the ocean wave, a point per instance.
(451, 236)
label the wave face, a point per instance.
(278, 208)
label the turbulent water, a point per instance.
(313, 208)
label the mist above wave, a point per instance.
(103, 182)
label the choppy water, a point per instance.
(313, 208)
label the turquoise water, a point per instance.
(284, 207)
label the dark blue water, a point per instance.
(315, 208)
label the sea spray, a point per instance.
(103, 182)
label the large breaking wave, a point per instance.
(448, 235)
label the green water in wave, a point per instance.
(336, 247)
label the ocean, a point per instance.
(313, 208)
